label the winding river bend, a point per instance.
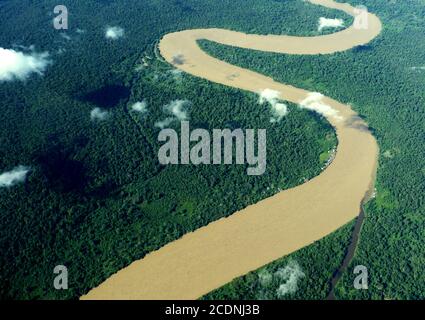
(212, 256)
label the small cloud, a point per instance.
(65, 36)
(25, 48)
(269, 95)
(329, 23)
(114, 33)
(80, 31)
(314, 102)
(279, 109)
(164, 123)
(291, 274)
(140, 107)
(176, 71)
(388, 154)
(98, 114)
(19, 65)
(13, 177)
(177, 109)
(418, 68)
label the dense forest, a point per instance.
(96, 198)
(385, 82)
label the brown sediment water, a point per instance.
(212, 256)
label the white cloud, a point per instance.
(279, 110)
(291, 274)
(66, 36)
(19, 65)
(13, 177)
(99, 114)
(418, 68)
(176, 109)
(164, 123)
(140, 107)
(269, 95)
(314, 102)
(19, 46)
(114, 33)
(329, 23)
